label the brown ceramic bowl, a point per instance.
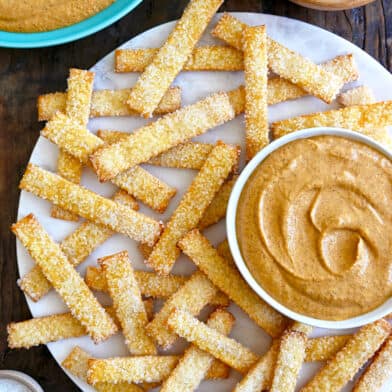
(331, 5)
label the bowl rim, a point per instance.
(88, 26)
(352, 322)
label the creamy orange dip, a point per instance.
(314, 225)
(45, 15)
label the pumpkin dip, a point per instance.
(45, 15)
(314, 225)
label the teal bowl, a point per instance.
(70, 33)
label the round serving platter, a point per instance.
(311, 41)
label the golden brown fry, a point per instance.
(145, 250)
(167, 132)
(203, 58)
(193, 366)
(77, 363)
(360, 96)
(151, 284)
(139, 182)
(285, 62)
(90, 205)
(106, 103)
(260, 375)
(342, 368)
(190, 155)
(70, 168)
(71, 136)
(77, 246)
(192, 206)
(149, 368)
(197, 292)
(171, 57)
(43, 330)
(280, 90)
(147, 188)
(127, 300)
(378, 372)
(323, 348)
(254, 43)
(225, 276)
(223, 250)
(217, 209)
(220, 346)
(356, 96)
(360, 118)
(289, 361)
(64, 278)
(80, 87)
(77, 107)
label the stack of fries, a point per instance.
(167, 141)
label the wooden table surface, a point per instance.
(24, 74)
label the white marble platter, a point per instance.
(311, 41)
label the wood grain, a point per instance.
(24, 74)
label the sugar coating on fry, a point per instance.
(46, 329)
(139, 182)
(225, 276)
(190, 155)
(150, 284)
(223, 250)
(106, 103)
(360, 118)
(260, 375)
(289, 361)
(77, 107)
(166, 132)
(203, 58)
(171, 57)
(194, 364)
(280, 90)
(64, 278)
(378, 372)
(147, 188)
(192, 206)
(90, 205)
(42, 330)
(285, 62)
(323, 348)
(356, 96)
(77, 363)
(193, 296)
(80, 87)
(360, 96)
(218, 206)
(70, 136)
(208, 339)
(254, 43)
(148, 368)
(343, 366)
(127, 300)
(70, 168)
(145, 250)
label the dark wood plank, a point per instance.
(24, 74)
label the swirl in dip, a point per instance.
(314, 225)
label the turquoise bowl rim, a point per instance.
(70, 33)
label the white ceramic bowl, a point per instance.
(357, 321)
